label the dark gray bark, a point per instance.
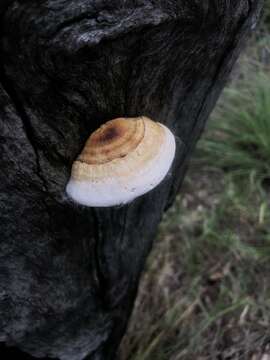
(69, 274)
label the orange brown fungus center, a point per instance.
(113, 140)
(111, 133)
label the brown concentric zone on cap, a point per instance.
(115, 139)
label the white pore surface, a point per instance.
(114, 191)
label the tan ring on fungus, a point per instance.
(114, 139)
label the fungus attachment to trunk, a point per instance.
(123, 159)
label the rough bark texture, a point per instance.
(69, 274)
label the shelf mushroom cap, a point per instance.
(123, 159)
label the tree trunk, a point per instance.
(68, 273)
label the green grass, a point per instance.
(206, 280)
(205, 292)
(239, 137)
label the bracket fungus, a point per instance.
(123, 159)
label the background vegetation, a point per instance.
(205, 293)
